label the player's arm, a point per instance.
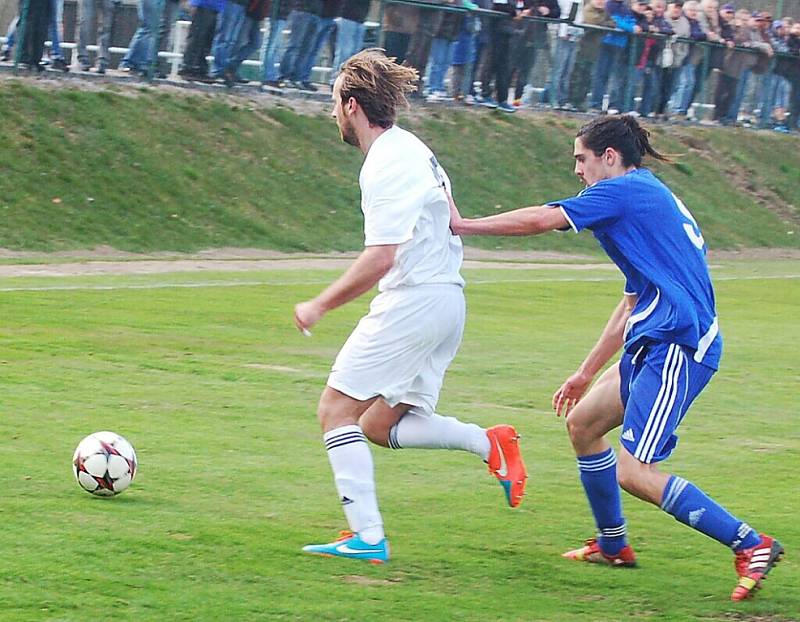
(523, 221)
(364, 273)
(611, 340)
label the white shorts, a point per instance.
(401, 349)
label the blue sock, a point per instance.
(599, 479)
(691, 506)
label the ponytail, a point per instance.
(622, 133)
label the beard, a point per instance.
(348, 134)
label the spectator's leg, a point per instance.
(85, 19)
(139, 46)
(602, 68)
(56, 30)
(273, 51)
(524, 70)
(322, 33)
(736, 104)
(440, 54)
(500, 63)
(166, 32)
(250, 40)
(208, 28)
(105, 18)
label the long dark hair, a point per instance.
(623, 134)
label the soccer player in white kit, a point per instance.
(385, 382)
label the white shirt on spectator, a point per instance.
(404, 202)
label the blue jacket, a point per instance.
(214, 5)
(624, 19)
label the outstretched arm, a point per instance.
(370, 266)
(611, 340)
(523, 221)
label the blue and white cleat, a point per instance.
(350, 545)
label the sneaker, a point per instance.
(85, 66)
(306, 86)
(516, 103)
(101, 69)
(350, 545)
(229, 78)
(505, 462)
(753, 564)
(506, 107)
(60, 65)
(487, 102)
(5, 56)
(592, 553)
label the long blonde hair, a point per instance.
(378, 84)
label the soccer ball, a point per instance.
(104, 464)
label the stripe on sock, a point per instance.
(614, 532)
(673, 490)
(598, 463)
(393, 444)
(345, 439)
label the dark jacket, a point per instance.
(258, 9)
(355, 10)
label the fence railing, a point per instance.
(478, 54)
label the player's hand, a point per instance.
(306, 314)
(570, 393)
(455, 216)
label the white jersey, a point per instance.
(404, 202)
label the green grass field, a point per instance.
(206, 375)
(154, 170)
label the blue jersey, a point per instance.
(651, 236)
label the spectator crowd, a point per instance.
(655, 58)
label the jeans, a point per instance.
(563, 62)
(105, 16)
(273, 50)
(250, 39)
(304, 27)
(323, 33)
(738, 98)
(682, 97)
(141, 45)
(441, 58)
(650, 78)
(56, 30)
(608, 68)
(229, 24)
(349, 41)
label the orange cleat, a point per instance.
(505, 462)
(592, 553)
(753, 564)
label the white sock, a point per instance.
(437, 432)
(354, 475)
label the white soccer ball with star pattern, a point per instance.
(104, 464)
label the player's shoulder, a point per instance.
(397, 152)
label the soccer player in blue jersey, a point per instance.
(666, 325)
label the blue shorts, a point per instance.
(658, 383)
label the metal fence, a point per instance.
(475, 55)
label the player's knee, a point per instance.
(375, 431)
(578, 431)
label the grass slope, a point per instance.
(219, 400)
(146, 170)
